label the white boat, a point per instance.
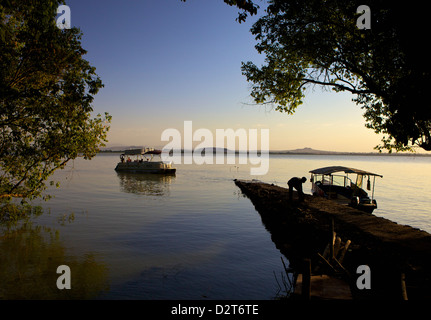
(143, 162)
(340, 187)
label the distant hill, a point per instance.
(306, 151)
(311, 151)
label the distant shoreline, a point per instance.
(304, 151)
(352, 154)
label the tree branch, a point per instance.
(333, 84)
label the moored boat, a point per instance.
(327, 183)
(144, 162)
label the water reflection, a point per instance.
(145, 184)
(29, 257)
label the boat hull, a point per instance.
(145, 167)
(343, 196)
(364, 204)
(369, 208)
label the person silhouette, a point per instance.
(296, 183)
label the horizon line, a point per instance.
(303, 151)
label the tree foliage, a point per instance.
(317, 42)
(46, 91)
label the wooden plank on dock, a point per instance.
(325, 287)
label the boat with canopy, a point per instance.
(335, 183)
(143, 162)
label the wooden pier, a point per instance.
(398, 256)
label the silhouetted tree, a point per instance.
(46, 91)
(318, 42)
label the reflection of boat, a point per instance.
(145, 183)
(144, 162)
(342, 189)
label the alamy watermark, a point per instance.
(208, 152)
(364, 280)
(364, 20)
(63, 281)
(64, 20)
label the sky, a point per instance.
(164, 62)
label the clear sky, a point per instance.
(164, 62)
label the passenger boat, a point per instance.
(327, 183)
(143, 163)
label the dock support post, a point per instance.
(403, 286)
(306, 280)
(332, 240)
(344, 250)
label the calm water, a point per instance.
(189, 236)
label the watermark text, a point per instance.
(364, 280)
(206, 152)
(364, 20)
(63, 281)
(64, 20)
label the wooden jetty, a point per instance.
(398, 256)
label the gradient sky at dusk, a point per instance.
(164, 62)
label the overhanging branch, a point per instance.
(334, 84)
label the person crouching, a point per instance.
(296, 183)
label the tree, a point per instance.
(318, 43)
(46, 91)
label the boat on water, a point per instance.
(336, 183)
(143, 162)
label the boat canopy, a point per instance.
(142, 151)
(333, 169)
(153, 152)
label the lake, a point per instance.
(188, 236)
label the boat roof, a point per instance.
(141, 151)
(333, 169)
